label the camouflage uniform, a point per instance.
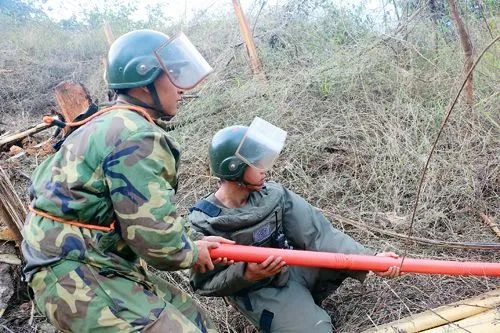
(117, 167)
(289, 301)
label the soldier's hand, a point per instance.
(218, 239)
(204, 261)
(393, 271)
(269, 267)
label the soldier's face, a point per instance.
(254, 178)
(168, 94)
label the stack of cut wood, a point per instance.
(480, 314)
(12, 215)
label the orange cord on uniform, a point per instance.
(50, 120)
(142, 111)
(73, 223)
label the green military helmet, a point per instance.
(131, 59)
(234, 148)
(222, 153)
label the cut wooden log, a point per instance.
(12, 210)
(72, 99)
(6, 234)
(442, 315)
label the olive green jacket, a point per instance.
(257, 223)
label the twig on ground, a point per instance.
(421, 240)
(6, 328)
(489, 222)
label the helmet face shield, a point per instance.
(182, 62)
(261, 145)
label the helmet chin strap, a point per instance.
(246, 184)
(156, 101)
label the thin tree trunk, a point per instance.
(434, 16)
(467, 48)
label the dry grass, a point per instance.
(360, 119)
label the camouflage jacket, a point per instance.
(117, 167)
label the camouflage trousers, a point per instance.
(76, 297)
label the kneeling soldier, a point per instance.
(250, 211)
(104, 200)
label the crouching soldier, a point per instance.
(104, 199)
(251, 211)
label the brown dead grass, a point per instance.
(360, 122)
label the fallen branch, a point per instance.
(490, 223)
(12, 138)
(421, 240)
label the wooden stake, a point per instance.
(110, 39)
(255, 63)
(442, 315)
(109, 33)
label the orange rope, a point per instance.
(138, 109)
(50, 120)
(73, 223)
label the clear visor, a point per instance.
(261, 145)
(182, 62)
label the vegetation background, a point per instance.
(362, 100)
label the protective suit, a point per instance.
(275, 217)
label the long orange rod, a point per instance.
(354, 262)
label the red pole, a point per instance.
(354, 262)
